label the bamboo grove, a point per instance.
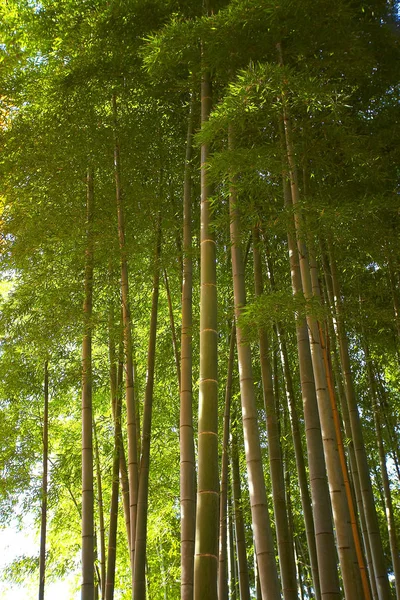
(200, 304)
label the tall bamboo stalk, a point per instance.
(206, 548)
(343, 464)
(346, 419)
(129, 371)
(100, 505)
(139, 579)
(187, 459)
(45, 461)
(223, 589)
(87, 589)
(324, 538)
(336, 484)
(243, 569)
(359, 446)
(116, 401)
(285, 542)
(297, 443)
(391, 523)
(258, 498)
(232, 571)
(173, 329)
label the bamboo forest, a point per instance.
(200, 299)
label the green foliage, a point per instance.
(60, 63)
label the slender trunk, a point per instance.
(258, 498)
(394, 547)
(342, 456)
(332, 326)
(300, 464)
(285, 545)
(359, 447)
(101, 515)
(324, 538)
(298, 447)
(223, 590)
(244, 584)
(112, 533)
(173, 330)
(123, 471)
(139, 579)
(336, 484)
(233, 579)
(97, 577)
(129, 373)
(116, 377)
(394, 289)
(43, 522)
(187, 459)
(206, 549)
(87, 589)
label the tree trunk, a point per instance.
(359, 448)
(244, 585)
(87, 589)
(346, 421)
(173, 330)
(335, 478)
(394, 547)
(342, 456)
(297, 445)
(129, 373)
(187, 459)
(206, 549)
(101, 515)
(43, 522)
(233, 578)
(258, 498)
(223, 590)
(285, 543)
(325, 543)
(112, 533)
(139, 579)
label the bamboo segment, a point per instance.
(343, 465)
(285, 545)
(297, 444)
(359, 448)
(139, 577)
(324, 538)
(187, 459)
(244, 586)
(223, 590)
(43, 521)
(101, 514)
(129, 371)
(116, 402)
(258, 499)
(206, 547)
(339, 503)
(393, 540)
(87, 589)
